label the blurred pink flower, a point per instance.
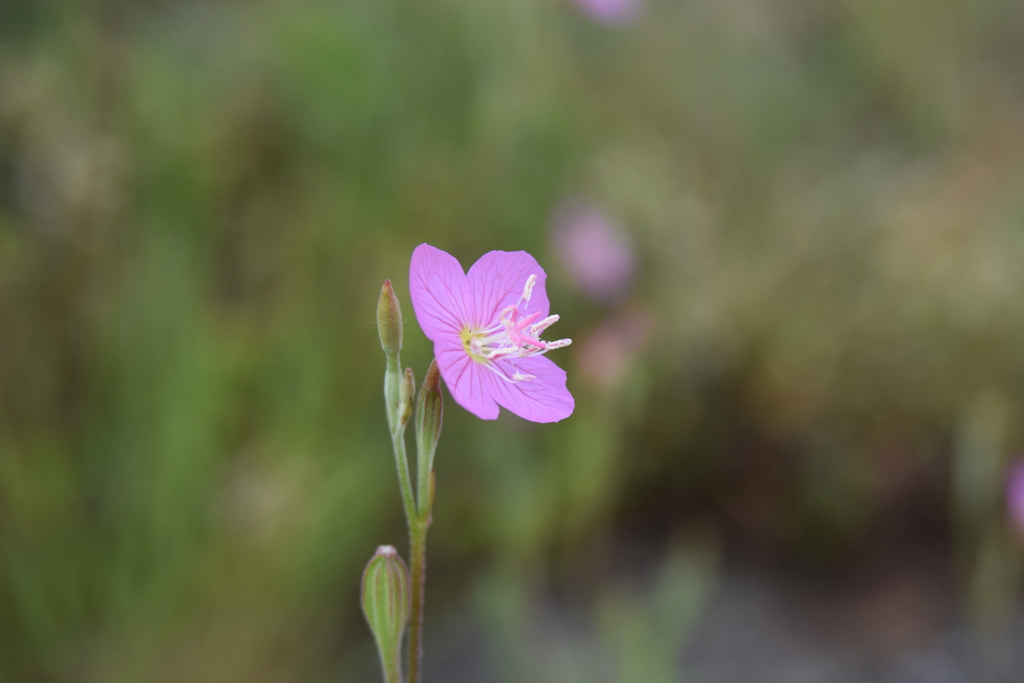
(609, 11)
(1015, 494)
(596, 254)
(486, 328)
(606, 353)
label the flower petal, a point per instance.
(464, 378)
(437, 286)
(542, 399)
(497, 281)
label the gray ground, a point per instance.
(759, 629)
(756, 631)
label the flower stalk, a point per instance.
(429, 416)
(418, 553)
(399, 394)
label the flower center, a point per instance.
(516, 335)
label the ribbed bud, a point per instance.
(389, 320)
(387, 601)
(406, 393)
(429, 415)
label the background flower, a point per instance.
(595, 252)
(610, 11)
(1015, 494)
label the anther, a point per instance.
(557, 344)
(528, 289)
(543, 325)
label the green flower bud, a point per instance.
(405, 397)
(387, 601)
(389, 320)
(429, 415)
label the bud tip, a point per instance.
(432, 382)
(389, 319)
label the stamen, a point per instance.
(528, 289)
(515, 335)
(500, 374)
(500, 352)
(543, 325)
(522, 324)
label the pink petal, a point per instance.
(437, 286)
(497, 281)
(543, 399)
(464, 378)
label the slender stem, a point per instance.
(392, 378)
(417, 516)
(392, 666)
(392, 382)
(404, 481)
(418, 571)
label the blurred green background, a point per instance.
(816, 374)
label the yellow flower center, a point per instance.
(473, 342)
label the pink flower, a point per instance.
(596, 254)
(609, 11)
(1015, 495)
(486, 328)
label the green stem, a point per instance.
(417, 516)
(402, 465)
(393, 667)
(418, 571)
(392, 380)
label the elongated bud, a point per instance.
(429, 415)
(389, 320)
(387, 601)
(405, 397)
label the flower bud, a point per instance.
(387, 601)
(429, 416)
(389, 320)
(405, 397)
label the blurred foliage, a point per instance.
(199, 201)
